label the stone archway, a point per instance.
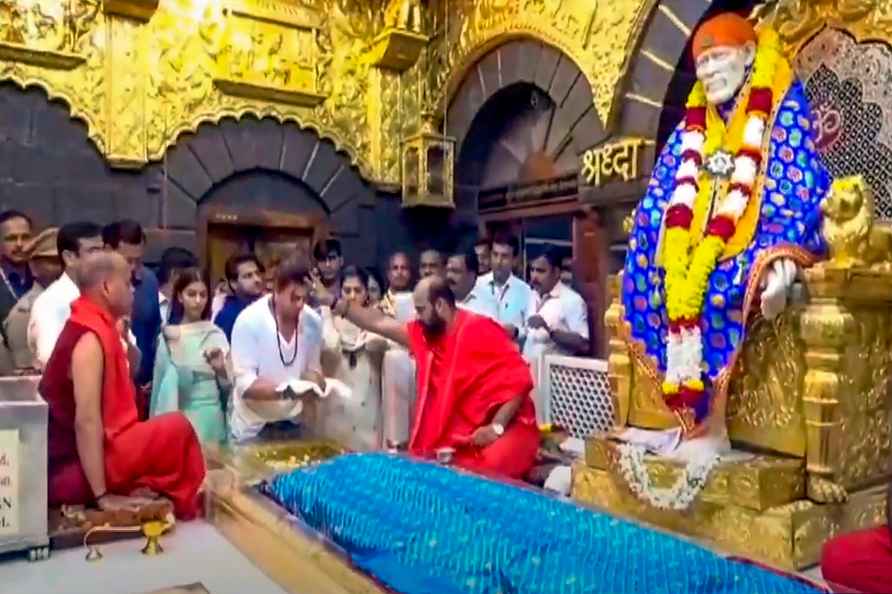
(519, 66)
(266, 165)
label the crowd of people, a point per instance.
(316, 347)
(143, 372)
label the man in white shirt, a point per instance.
(462, 269)
(275, 340)
(53, 307)
(558, 318)
(512, 295)
(397, 367)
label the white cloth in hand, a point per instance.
(332, 386)
(776, 286)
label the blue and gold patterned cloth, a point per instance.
(420, 528)
(795, 182)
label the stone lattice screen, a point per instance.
(580, 399)
(849, 86)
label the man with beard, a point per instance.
(276, 340)
(245, 277)
(461, 273)
(473, 385)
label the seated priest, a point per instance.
(861, 561)
(276, 345)
(732, 210)
(98, 451)
(473, 384)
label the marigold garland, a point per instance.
(689, 265)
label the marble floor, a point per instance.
(194, 553)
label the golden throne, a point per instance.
(811, 394)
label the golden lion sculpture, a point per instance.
(853, 236)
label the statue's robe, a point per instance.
(788, 225)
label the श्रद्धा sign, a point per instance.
(9, 481)
(611, 161)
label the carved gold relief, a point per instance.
(798, 20)
(139, 82)
(263, 57)
(597, 36)
(44, 33)
(763, 404)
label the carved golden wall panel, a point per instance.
(139, 85)
(798, 20)
(596, 34)
(141, 72)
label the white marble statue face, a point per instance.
(723, 69)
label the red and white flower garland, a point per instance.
(688, 267)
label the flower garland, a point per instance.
(704, 157)
(679, 496)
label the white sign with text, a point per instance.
(9, 481)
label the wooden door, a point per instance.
(590, 271)
(271, 236)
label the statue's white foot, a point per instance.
(701, 449)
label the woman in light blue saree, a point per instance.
(192, 370)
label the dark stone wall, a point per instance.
(52, 171)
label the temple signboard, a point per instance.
(9, 482)
(616, 161)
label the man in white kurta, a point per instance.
(557, 321)
(261, 352)
(397, 367)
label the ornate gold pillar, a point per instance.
(827, 328)
(619, 364)
(124, 116)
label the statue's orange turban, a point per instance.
(725, 29)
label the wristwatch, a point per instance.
(498, 429)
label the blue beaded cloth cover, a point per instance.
(795, 183)
(420, 528)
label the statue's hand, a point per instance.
(775, 287)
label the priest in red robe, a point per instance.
(98, 450)
(473, 384)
